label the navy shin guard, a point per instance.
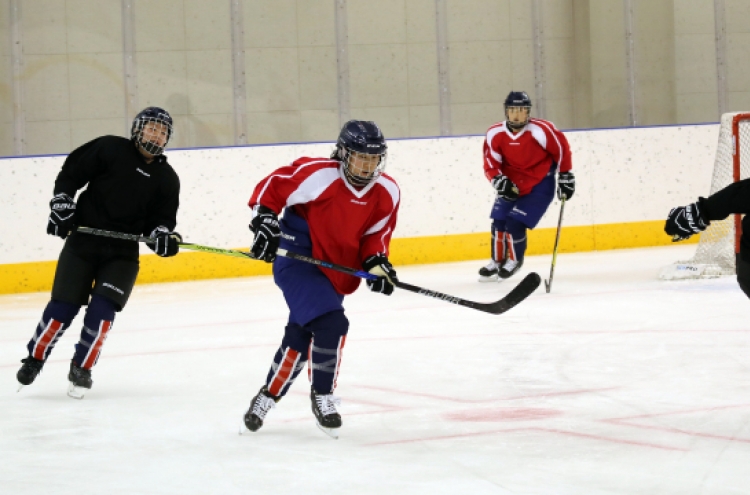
(56, 318)
(518, 240)
(329, 336)
(498, 248)
(96, 326)
(289, 360)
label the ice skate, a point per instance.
(259, 407)
(29, 371)
(489, 272)
(510, 267)
(324, 408)
(80, 381)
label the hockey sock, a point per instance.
(56, 318)
(498, 241)
(329, 336)
(289, 360)
(96, 325)
(516, 239)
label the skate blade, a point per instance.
(492, 278)
(76, 392)
(331, 432)
(244, 430)
(20, 387)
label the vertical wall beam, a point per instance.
(443, 59)
(129, 68)
(720, 31)
(537, 25)
(630, 61)
(342, 61)
(16, 55)
(238, 72)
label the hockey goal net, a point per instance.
(715, 255)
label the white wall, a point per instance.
(622, 175)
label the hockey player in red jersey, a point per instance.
(521, 156)
(341, 209)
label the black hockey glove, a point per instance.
(62, 218)
(505, 188)
(378, 264)
(167, 243)
(685, 221)
(566, 185)
(265, 226)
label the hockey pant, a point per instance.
(509, 240)
(743, 274)
(58, 316)
(320, 342)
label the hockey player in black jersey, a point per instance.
(130, 188)
(684, 221)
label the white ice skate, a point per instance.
(80, 381)
(75, 391)
(259, 407)
(509, 268)
(326, 416)
(489, 272)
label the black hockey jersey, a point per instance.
(735, 198)
(124, 193)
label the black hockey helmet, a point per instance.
(517, 99)
(151, 115)
(363, 137)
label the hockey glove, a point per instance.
(566, 185)
(166, 243)
(265, 226)
(62, 218)
(685, 221)
(505, 187)
(378, 264)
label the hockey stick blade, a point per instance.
(547, 285)
(520, 292)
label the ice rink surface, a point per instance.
(615, 383)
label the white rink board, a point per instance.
(622, 175)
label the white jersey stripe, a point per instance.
(538, 134)
(551, 131)
(393, 190)
(313, 186)
(491, 133)
(270, 178)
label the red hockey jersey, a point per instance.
(347, 225)
(526, 157)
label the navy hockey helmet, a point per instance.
(361, 137)
(517, 99)
(147, 116)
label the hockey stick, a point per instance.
(524, 288)
(548, 284)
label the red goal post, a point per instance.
(718, 245)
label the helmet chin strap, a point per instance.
(516, 127)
